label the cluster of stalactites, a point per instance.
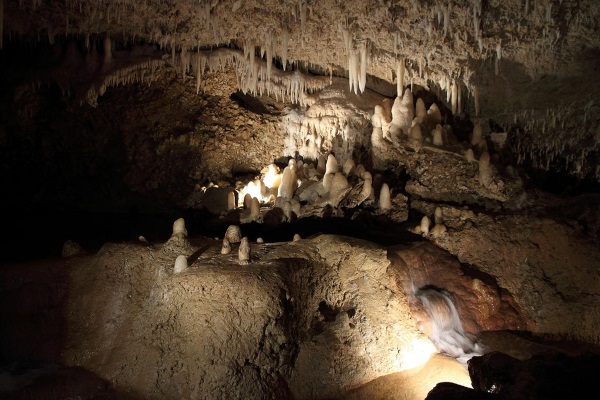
(331, 124)
(254, 75)
(358, 58)
(542, 140)
(454, 86)
(140, 72)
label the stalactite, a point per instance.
(459, 98)
(269, 53)
(302, 9)
(400, 77)
(362, 77)
(454, 99)
(446, 19)
(285, 35)
(353, 71)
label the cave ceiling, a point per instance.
(525, 65)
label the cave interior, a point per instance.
(303, 199)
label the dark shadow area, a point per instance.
(254, 104)
(34, 300)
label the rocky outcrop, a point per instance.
(549, 267)
(311, 318)
(481, 304)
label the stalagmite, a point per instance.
(469, 155)
(332, 165)
(296, 238)
(420, 110)
(438, 217)
(385, 202)
(288, 180)
(348, 166)
(230, 201)
(322, 164)
(485, 169)
(226, 247)
(254, 209)
(244, 252)
(477, 135)
(181, 264)
(434, 116)
(233, 234)
(439, 230)
(438, 136)
(360, 171)
(403, 113)
(416, 136)
(179, 230)
(425, 224)
(366, 190)
(247, 200)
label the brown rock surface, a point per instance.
(549, 267)
(481, 304)
(311, 318)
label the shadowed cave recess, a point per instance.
(299, 199)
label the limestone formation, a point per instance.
(476, 136)
(247, 200)
(425, 224)
(181, 264)
(226, 247)
(233, 234)
(403, 113)
(420, 110)
(244, 252)
(385, 202)
(438, 217)
(438, 138)
(348, 167)
(470, 156)
(179, 230)
(485, 170)
(434, 116)
(332, 165)
(288, 183)
(438, 230)
(416, 135)
(231, 203)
